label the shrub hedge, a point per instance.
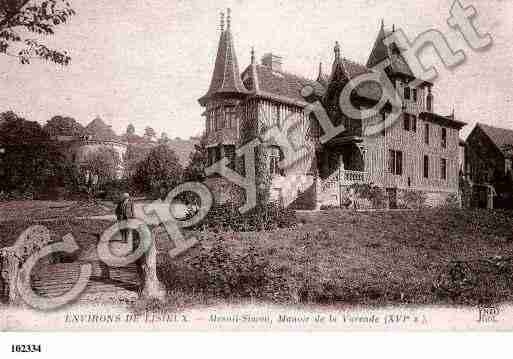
(223, 217)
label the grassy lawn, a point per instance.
(38, 210)
(331, 258)
(339, 257)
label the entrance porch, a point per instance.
(340, 166)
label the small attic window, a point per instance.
(248, 83)
(395, 49)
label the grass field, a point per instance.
(333, 258)
(38, 210)
(339, 257)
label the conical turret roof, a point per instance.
(226, 77)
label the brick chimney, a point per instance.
(272, 61)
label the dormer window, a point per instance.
(248, 83)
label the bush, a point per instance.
(221, 272)
(112, 190)
(452, 201)
(371, 192)
(412, 199)
(262, 217)
(16, 195)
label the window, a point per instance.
(414, 93)
(231, 117)
(229, 152)
(274, 159)
(410, 122)
(406, 93)
(217, 154)
(426, 133)
(443, 168)
(429, 102)
(219, 119)
(406, 122)
(211, 155)
(426, 167)
(395, 162)
(444, 137)
(413, 123)
(209, 123)
(275, 115)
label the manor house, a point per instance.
(418, 152)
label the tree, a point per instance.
(19, 18)
(63, 126)
(159, 172)
(164, 138)
(29, 160)
(149, 132)
(133, 156)
(198, 160)
(130, 130)
(100, 166)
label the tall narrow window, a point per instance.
(426, 133)
(211, 155)
(444, 137)
(426, 167)
(274, 159)
(231, 117)
(414, 93)
(406, 122)
(399, 163)
(229, 152)
(406, 93)
(413, 123)
(443, 168)
(219, 119)
(395, 162)
(217, 156)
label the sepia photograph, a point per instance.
(271, 166)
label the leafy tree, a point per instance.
(159, 171)
(164, 138)
(29, 161)
(149, 132)
(130, 130)
(20, 18)
(198, 160)
(133, 156)
(100, 166)
(63, 126)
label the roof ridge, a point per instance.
(285, 72)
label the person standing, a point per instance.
(125, 211)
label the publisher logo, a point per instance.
(488, 314)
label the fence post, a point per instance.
(10, 265)
(152, 288)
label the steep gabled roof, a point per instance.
(226, 75)
(448, 121)
(286, 87)
(100, 131)
(278, 85)
(501, 137)
(381, 52)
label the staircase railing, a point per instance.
(348, 177)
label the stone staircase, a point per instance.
(56, 279)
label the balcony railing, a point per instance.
(345, 178)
